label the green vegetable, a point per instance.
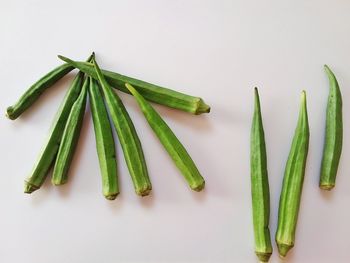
(170, 142)
(149, 91)
(260, 186)
(49, 152)
(128, 138)
(334, 134)
(34, 92)
(104, 142)
(70, 138)
(293, 183)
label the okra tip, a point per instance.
(283, 249)
(263, 256)
(256, 98)
(29, 188)
(326, 68)
(329, 72)
(303, 95)
(65, 59)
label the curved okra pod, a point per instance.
(334, 134)
(170, 142)
(49, 152)
(34, 92)
(260, 185)
(149, 91)
(293, 183)
(104, 142)
(128, 138)
(70, 137)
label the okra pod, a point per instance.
(128, 138)
(170, 142)
(293, 183)
(34, 92)
(334, 134)
(260, 185)
(104, 142)
(151, 92)
(49, 152)
(70, 138)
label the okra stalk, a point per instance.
(260, 185)
(334, 134)
(70, 138)
(128, 138)
(293, 183)
(170, 142)
(34, 92)
(151, 92)
(104, 142)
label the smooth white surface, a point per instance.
(218, 50)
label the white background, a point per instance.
(218, 50)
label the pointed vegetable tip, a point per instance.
(303, 98)
(256, 98)
(65, 59)
(327, 69)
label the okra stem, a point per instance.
(260, 185)
(170, 142)
(293, 183)
(334, 134)
(104, 142)
(34, 92)
(151, 92)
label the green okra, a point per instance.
(170, 142)
(334, 134)
(70, 137)
(128, 138)
(104, 142)
(260, 185)
(49, 152)
(293, 183)
(34, 92)
(151, 92)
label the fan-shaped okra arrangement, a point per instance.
(96, 83)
